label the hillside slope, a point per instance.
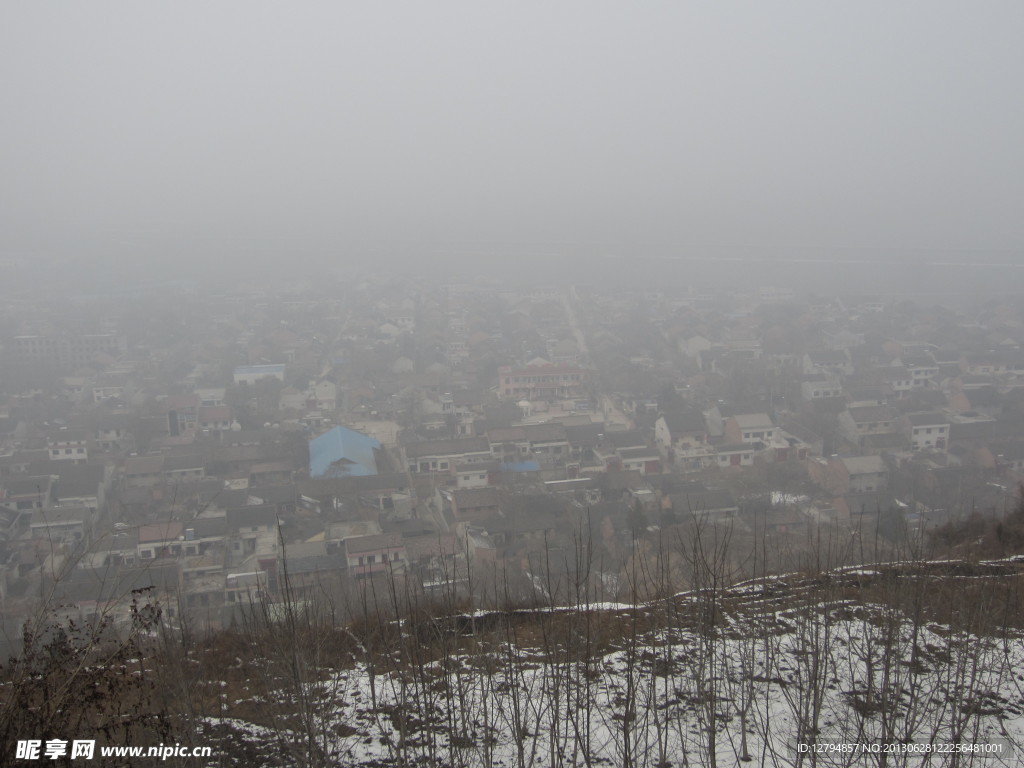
(902, 654)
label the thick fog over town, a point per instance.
(512, 384)
(157, 134)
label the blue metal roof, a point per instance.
(342, 452)
(249, 370)
(521, 466)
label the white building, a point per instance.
(927, 431)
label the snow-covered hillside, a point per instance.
(714, 677)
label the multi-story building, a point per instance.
(927, 431)
(66, 350)
(443, 455)
(69, 445)
(857, 423)
(381, 553)
(750, 428)
(543, 382)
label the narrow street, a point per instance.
(613, 415)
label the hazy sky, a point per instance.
(152, 128)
